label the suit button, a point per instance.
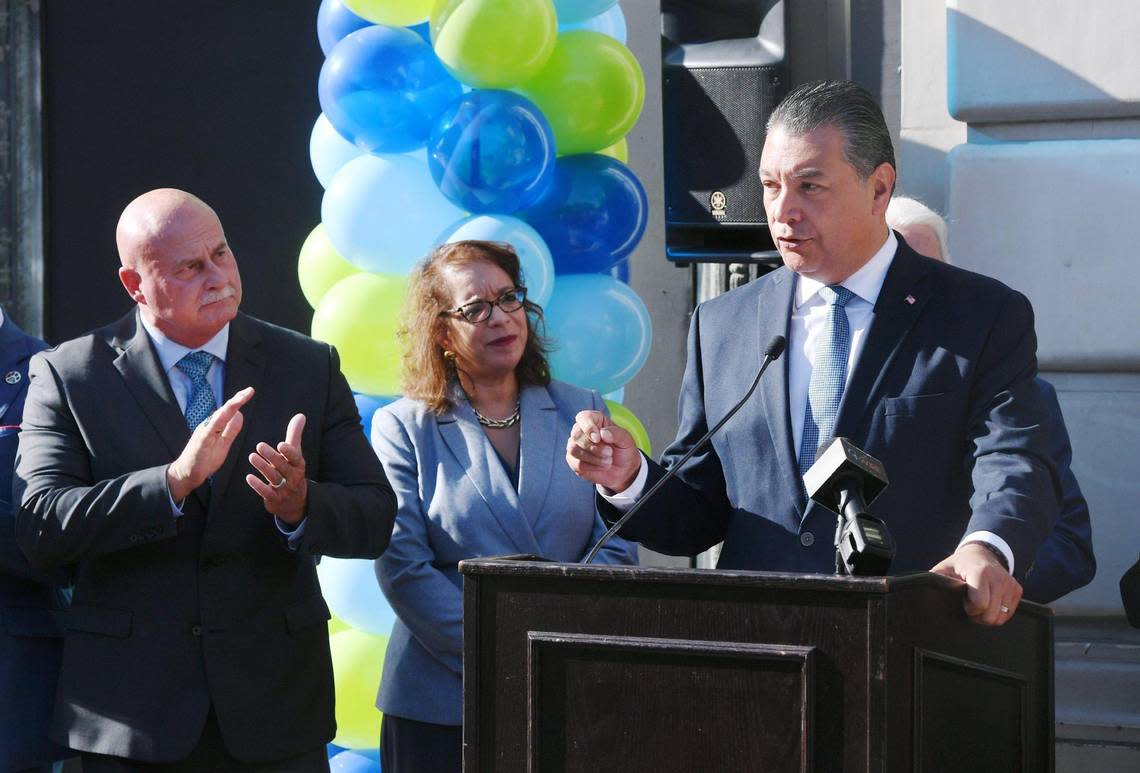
(196, 630)
(134, 538)
(807, 539)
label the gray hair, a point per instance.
(904, 211)
(848, 107)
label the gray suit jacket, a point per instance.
(172, 615)
(457, 502)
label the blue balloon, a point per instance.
(593, 214)
(367, 405)
(353, 761)
(492, 151)
(353, 594)
(328, 151)
(611, 22)
(423, 29)
(571, 11)
(620, 272)
(384, 213)
(335, 22)
(383, 88)
(601, 331)
(333, 750)
(534, 256)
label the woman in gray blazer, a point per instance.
(474, 453)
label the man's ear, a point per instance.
(131, 283)
(883, 184)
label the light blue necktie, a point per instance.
(200, 403)
(828, 375)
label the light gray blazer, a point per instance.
(456, 501)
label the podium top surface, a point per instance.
(537, 567)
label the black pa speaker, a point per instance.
(723, 71)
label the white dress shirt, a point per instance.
(805, 330)
(169, 354)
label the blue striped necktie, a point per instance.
(828, 375)
(200, 403)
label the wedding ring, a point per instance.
(1004, 609)
(284, 480)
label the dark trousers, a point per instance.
(209, 756)
(408, 746)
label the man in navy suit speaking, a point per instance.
(925, 366)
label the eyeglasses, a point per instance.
(480, 311)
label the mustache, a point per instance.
(219, 295)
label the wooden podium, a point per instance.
(597, 668)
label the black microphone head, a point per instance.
(776, 347)
(838, 464)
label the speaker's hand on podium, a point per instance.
(992, 595)
(600, 451)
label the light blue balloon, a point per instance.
(571, 11)
(328, 151)
(601, 331)
(367, 405)
(334, 22)
(353, 594)
(611, 22)
(383, 213)
(617, 396)
(353, 761)
(534, 256)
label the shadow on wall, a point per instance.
(992, 78)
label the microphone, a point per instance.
(771, 354)
(845, 479)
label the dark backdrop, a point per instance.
(214, 96)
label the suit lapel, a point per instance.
(538, 447)
(245, 365)
(476, 456)
(775, 309)
(904, 295)
(139, 366)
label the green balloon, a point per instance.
(358, 661)
(360, 315)
(591, 91)
(336, 625)
(395, 13)
(320, 266)
(624, 418)
(494, 43)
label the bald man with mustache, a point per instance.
(191, 462)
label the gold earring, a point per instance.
(449, 355)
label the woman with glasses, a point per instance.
(474, 453)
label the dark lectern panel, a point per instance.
(953, 700)
(612, 658)
(836, 624)
(684, 705)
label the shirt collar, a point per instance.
(169, 352)
(865, 283)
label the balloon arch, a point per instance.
(445, 120)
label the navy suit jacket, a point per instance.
(1065, 561)
(174, 616)
(457, 502)
(943, 394)
(30, 637)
